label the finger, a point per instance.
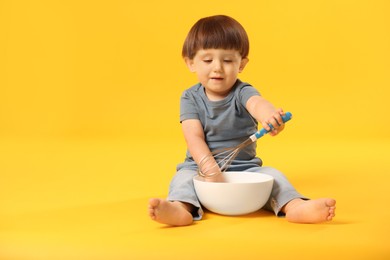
(279, 115)
(266, 125)
(279, 120)
(280, 111)
(273, 132)
(275, 123)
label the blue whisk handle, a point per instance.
(286, 117)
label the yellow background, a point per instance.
(89, 104)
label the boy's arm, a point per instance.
(195, 139)
(265, 113)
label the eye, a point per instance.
(207, 60)
(227, 61)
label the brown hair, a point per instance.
(214, 32)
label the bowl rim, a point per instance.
(268, 178)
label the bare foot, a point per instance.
(310, 211)
(174, 213)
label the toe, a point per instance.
(154, 202)
(330, 202)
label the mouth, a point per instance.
(217, 78)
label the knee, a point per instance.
(183, 176)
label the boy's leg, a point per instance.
(282, 190)
(182, 189)
(286, 201)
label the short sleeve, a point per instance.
(188, 108)
(246, 92)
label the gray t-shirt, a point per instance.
(226, 123)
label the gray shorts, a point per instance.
(182, 189)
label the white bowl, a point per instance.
(240, 193)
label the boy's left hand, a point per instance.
(276, 121)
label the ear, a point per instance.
(244, 61)
(190, 64)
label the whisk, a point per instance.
(219, 160)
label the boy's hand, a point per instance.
(275, 119)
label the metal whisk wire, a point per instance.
(219, 160)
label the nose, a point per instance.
(217, 66)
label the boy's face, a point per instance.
(217, 70)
